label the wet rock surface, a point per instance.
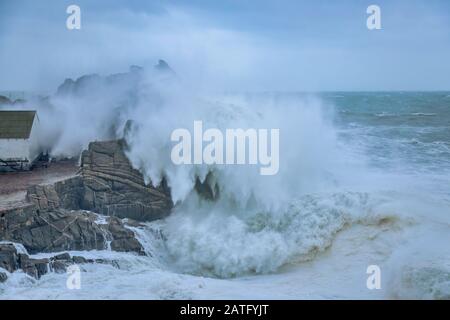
(3, 277)
(35, 268)
(108, 185)
(114, 188)
(11, 260)
(63, 194)
(51, 231)
(61, 229)
(83, 212)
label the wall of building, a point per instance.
(26, 150)
(34, 145)
(14, 149)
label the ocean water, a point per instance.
(364, 180)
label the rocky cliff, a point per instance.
(112, 187)
(59, 229)
(67, 215)
(107, 184)
(12, 260)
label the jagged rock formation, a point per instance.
(66, 194)
(60, 229)
(3, 277)
(82, 213)
(112, 187)
(11, 260)
(8, 257)
(54, 221)
(108, 185)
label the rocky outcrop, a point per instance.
(112, 187)
(11, 260)
(123, 239)
(60, 229)
(35, 268)
(84, 212)
(66, 194)
(51, 231)
(108, 185)
(55, 218)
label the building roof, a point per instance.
(16, 124)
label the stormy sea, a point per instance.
(363, 180)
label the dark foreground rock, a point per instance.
(35, 268)
(11, 260)
(82, 213)
(60, 229)
(66, 194)
(112, 187)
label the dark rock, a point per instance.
(114, 263)
(9, 258)
(66, 88)
(79, 260)
(3, 277)
(63, 194)
(52, 231)
(123, 239)
(12, 261)
(164, 67)
(207, 189)
(108, 185)
(62, 256)
(54, 220)
(133, 223)
(35, 268)
(70, 192)
(44, 197)
(114, 188)
(58, 266)
(60, 230)
(127, 245)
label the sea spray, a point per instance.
(226, 241)
(253, 224)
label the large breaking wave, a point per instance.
(257, 224)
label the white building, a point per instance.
(19, 147)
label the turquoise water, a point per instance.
(401, 131)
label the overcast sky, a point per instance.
(255, 45)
